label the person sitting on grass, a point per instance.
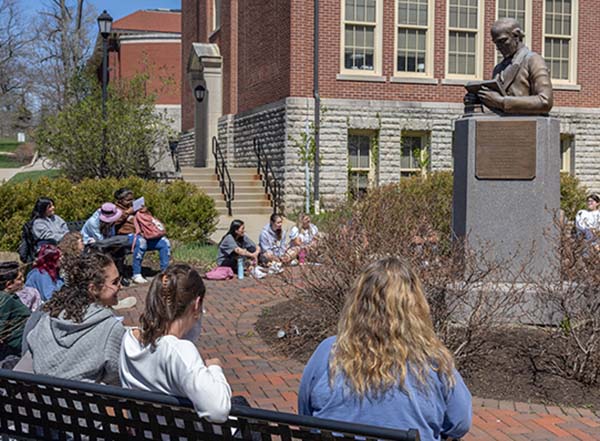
(77, 336)
(125, 225)
(44, 275)
(386, 367)
(234, 245)
(47, 227)
(273, 245)
(13, 314)
(162, 355)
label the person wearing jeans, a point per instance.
(141, 245)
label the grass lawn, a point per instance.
(203, 255)
(34, 175)
(8, 145)
(9, 162)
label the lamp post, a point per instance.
(105, 27)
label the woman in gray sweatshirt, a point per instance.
(77, 336)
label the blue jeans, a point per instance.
(162, 245)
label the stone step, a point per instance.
(244, 203)
(233, 172)
(245, 210)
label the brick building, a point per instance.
(390, 76)
(149, 41)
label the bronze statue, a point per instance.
(521, 83)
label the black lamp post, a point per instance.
(105, 27)
(199, 93)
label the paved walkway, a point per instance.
(271, 382)
(7, 173)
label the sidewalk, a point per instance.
(271, 382)
(7, 173)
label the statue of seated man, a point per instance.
(522, 75)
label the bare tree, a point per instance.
(15, 47)
(66, 32)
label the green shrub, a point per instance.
(188, 214)
(572, 195)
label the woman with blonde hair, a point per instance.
(386, 367)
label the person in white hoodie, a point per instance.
(161, 355)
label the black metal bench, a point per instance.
(36, 407)
(75, 225)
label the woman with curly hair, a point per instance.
(386, 367)
(77, 336)
(162, 356)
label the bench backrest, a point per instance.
(36, 407)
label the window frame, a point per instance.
(425, 136)
(567, 156)
(216, 16)
(377, 41)
(528, 24)
(573, 46)
(371, 170)
(479, 44)
(429, 43)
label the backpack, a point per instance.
(148, 226)
(27, 246)
(219, 273)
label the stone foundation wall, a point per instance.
(186, 149)
(280, 125)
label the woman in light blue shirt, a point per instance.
(386, 367)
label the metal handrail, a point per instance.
(225, 182)
(270, 183)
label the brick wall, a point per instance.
(161, 61)
(330, 87)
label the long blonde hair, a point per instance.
(385, 329)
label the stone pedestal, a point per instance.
(507, 190)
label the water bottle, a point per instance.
(240, 263)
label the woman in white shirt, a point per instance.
(162, 356)
(588, 221)
(304, 235)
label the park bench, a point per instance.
(37, 407)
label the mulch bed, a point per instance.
(504, 372)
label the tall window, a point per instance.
(520, 10)
(413, 37)
(359, 163)
(566, 153)
(463, 36)
(216, 14)
(360, 35)
(559, 39)
(414, 157)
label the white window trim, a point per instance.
(378, 42)
(528, 22)
(479, 41)
(215, 28)
(429, 43)
(568, 157)
(572, 47)
(425, 136)
(371, 171)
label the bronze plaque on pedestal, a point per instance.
(505, 149)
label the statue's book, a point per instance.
(476, 86)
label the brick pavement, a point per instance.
(271, 382)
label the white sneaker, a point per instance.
(139, 279)
(257, 273)
(126, 303)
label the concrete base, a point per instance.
(511, 221)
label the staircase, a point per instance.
(250, 197)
